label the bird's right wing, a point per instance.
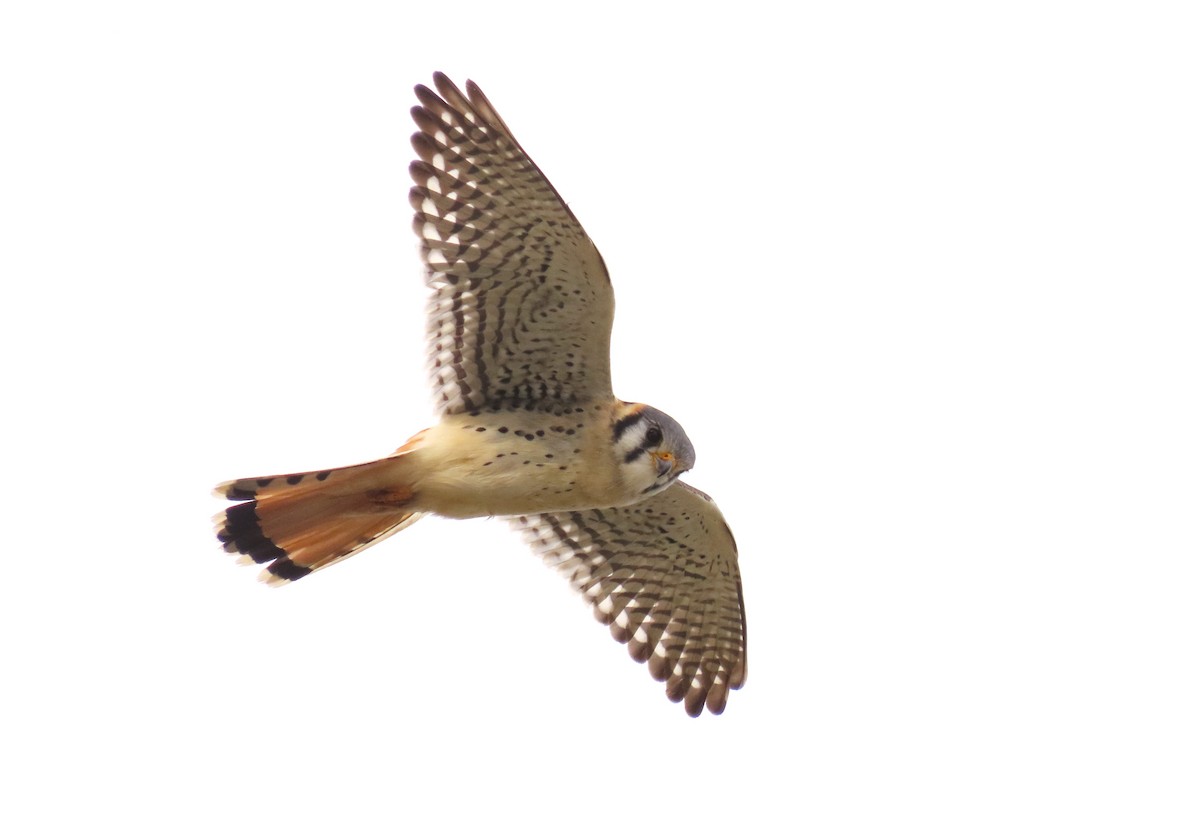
(663, 575)
(522, 306)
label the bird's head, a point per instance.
(652, 450)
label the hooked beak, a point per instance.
(664, 462)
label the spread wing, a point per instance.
(522, 307)
(663, 575)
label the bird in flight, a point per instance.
(528, 428)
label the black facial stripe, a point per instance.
(622, 425)
(634, 455)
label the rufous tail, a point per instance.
(301, 522)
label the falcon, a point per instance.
(528, 428)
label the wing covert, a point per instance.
(663, 575)
(521, 307)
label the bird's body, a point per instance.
(517, 462)
(528, 426)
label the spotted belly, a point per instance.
(516, 463)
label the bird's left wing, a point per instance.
(663, 575)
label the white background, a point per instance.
(919, 279)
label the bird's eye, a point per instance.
(654, 436)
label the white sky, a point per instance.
(920, 282)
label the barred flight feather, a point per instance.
(300, 522)
(522, 305)
(663, 575)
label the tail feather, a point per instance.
(300, 522)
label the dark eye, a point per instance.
(654, 436)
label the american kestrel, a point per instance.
(528, 427)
